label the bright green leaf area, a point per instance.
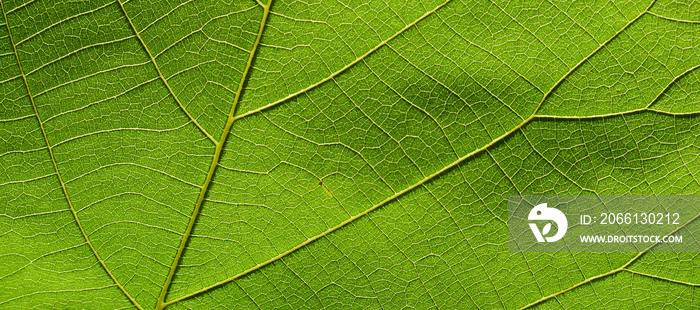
(335, 153)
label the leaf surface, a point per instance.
(308, 154)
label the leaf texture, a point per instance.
(334, 154)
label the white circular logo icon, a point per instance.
(541, 213)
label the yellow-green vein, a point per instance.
(647, 108)
(660, 278)
(674, 19)
(55, 165)
(160, 74)
(214, 163)
(346, 67)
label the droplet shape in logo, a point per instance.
(546, 228)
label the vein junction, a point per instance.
(434, 175)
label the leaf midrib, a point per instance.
(215, 160)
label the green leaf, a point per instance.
(308, 154)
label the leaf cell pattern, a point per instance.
(335, 153)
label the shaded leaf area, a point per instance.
(367, 161)
(445, 243)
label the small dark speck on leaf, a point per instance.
(320, 183)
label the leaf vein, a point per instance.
(160, 74)
(346, 67)
(214, 164)
(55, 166)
